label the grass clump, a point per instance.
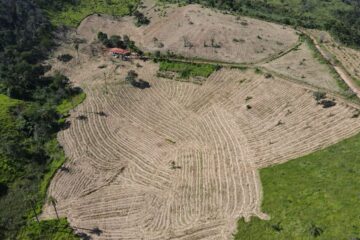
(314, 196)
(186, 70)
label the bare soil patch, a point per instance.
(197, 32)
(348, 57)
(302, 65)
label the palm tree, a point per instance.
(53, 201)
(34, 210)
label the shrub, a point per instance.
(319, 95)
(157, 54)
(268, 75)
(258, 70)
(315, 231)
(238, 40)
(131, 76)
(102, 36)
(356, 114)
(277, 227)
(141, 19)
(65, 57)
(248, 98)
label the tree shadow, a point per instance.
(83, 236)
(95, 230)
(64, 169)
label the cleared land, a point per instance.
(196, 32)
(348, 57)
(303, 65)
(345, 68)
(180, 160)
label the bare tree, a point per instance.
(76, 46)
(53, 201)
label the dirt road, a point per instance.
(342, 72)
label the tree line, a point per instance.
(26, 39)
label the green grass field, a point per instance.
(312, 197)
(187, 70)
(71, 15)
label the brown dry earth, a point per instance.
(179, 160)
(198, 26)
(302, 65)
(349, 58)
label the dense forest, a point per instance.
(340, 17)
(29, 119)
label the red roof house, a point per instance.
(119, 51)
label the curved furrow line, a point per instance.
(218, 132)
(243, 167)
(152, 119)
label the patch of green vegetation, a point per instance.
(72, 14)
(7, 128)
(314, 196)
(57, 157)
(50, 229)
(258, 70)
(187, 70)
(68, 104)
(241, 68)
